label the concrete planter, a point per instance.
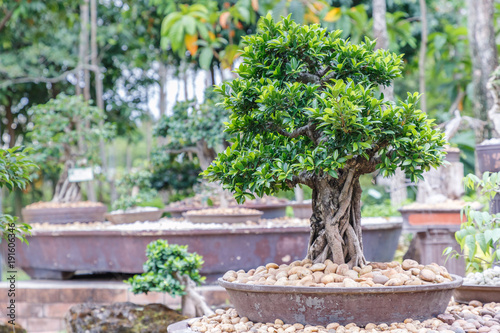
(57, 254)
(302, 210)
(484, 294)
(222, 218)
(134, 217)
(64, 214)
(321, 306)
(270, 211)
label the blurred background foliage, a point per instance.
(146, 48)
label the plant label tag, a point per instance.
(76, 175)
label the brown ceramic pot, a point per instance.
(321, 306)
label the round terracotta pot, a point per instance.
(64, 214)
(431, 216)
(485, 294)
(321, 306)
(134, 217)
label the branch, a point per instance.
(295, 134)
(308, 78)
(8, 16)
(182, 150)
(55, 79)
(304, 177)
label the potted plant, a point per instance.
(172, 269)
(134, 189)
(66, 133)
(15, 172)
(305, 110)
(479, 240)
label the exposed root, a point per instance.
(336, 223)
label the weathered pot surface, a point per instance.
(134, 217)
(222, 218)
(64, 214)
(485, 294)
(321, 306)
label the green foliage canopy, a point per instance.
(164, 263)
(63, 125)
(15, 172)
(134, 188)
(306, 106)
(191, 123)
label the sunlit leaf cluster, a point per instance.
(68, 128)
(165, 262)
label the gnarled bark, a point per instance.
(193, 304)
(66, 191)
(336, 221)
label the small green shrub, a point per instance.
(164, 265)
(479, 234)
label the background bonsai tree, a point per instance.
(306, 110)
(15, 172)
(195, 129)
(67, 132)
(172, 269)
(134, 188)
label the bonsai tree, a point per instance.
(172, 269)
(67, 132)
(174, 174)
(196, 129)
(133, 189)
(306, 110)
(15, 172)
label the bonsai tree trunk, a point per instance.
(193, 304)
(205, 154)
(66, 191)
(336, 221)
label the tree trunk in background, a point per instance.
(128, 156)
(212, 74)
(380, 34)
(299, 194)
(84, 44)
(185, 80)
(205, 154)
(10, 122)
(483, 53)
(98, 86)
(423, 52)
(163, 95)
(336, 221)
(398, 186)
(66, 191)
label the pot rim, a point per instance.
(484, 147)
(478, 287)
(457, 282)
(222, 215)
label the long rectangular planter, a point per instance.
(57, 254)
